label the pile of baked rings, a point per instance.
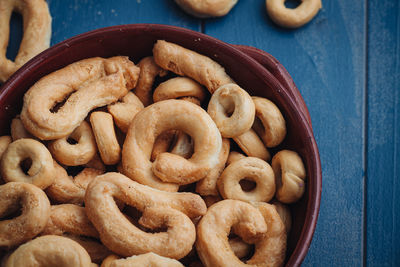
(171, 184)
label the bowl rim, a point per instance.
(313, 205)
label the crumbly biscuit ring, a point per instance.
(159, 209)
(290, 175)
(188, 63)
(234, 156)
(232, 109)
(250, 168)
(206, 8)
(35, 207)
(123, 112)
(106, 140)
(285, 214)
(208, 185)
(149, 123)
(149, 70)
(37, 32)
(50, 250)
(5, 140)
(18, 130)
(148, 259)
(75, 154)
(271, 127)
(85, 85)
(41, 172)
(163, 143)
(252, 145)
(292, 18)
(178, 88)
(212, 243)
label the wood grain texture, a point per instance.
(326, 60)
(383, 185)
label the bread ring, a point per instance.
(188, 63)
(148, 259)
(159, 209)
(123, 112)
(179, 87)
(149, 123)
(96, 163)
(91, 83)
(37, 32)
(18, 130)
(272, 128)
(87, 175)
(270, 250)
(234, 156)
(206, 8)
(41, 172)
(289, 175)
(252, 145)
(232, 109)
(251, 168)
(35, 207)
(162, 143)
(96, 250)
(5, 140)
(284, 212)
(75, 154)
(104, 133)
(208, 185)
(214, 228)
(50, 250)
(292, 18)
(149, 70)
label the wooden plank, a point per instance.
(383, 194)
(326, 60)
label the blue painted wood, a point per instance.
(326, 60)
(383, 185)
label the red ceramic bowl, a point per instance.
(242, 64)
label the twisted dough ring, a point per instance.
(252, 145)
(232, 109)
(148, 259)
(149, 123)
(91, 83)
(50, 250)
(123, 112)
(149, 70)
(35, 213)
(292, 18)
(41, 172)
(188, 63)
(251, 168)
(272, 128)
(214, 228)
(290, 175)
(206, 8)
(159, 209)
(37, 32)
(75, 154)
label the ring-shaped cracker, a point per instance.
(41, 172)
(37, 32)
(160, 117)
(206, 8)
(5, 140)
(179, 87)
(35, 207)
(232, 109)
(18, 130)
(252, 145)
(148, 259)
(289, 175)
(250, 168)
(75, 154)
(292, 18)
(160, 208)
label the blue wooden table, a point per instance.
(346, 63)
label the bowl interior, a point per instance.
(136, 41)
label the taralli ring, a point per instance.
(250, 168)
(206, 8)
(50, 250)
(91, 83)
(149, 123)
(252, 145)
(4, 142)
(232, 109)
(18, 130)
(292, 18)
(290, 175)
(76, 154)
(41, 172)
(148, 259)
(159, 209)
(178, 88)
(37, 32)
(35, 207)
